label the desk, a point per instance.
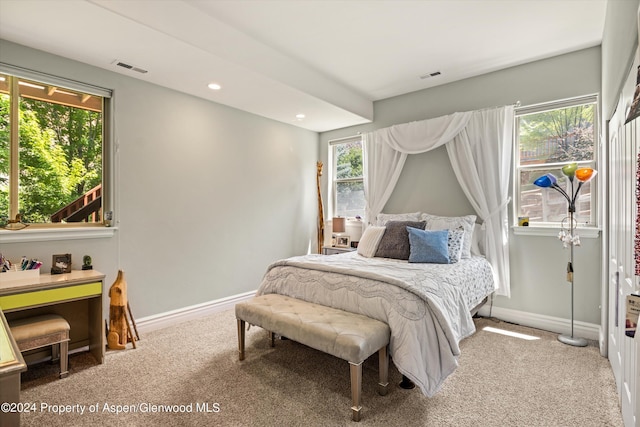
(77, 296)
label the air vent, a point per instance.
(426, 76)
(130, 67)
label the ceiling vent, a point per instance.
(130, 67)
(426, 76)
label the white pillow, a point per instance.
(467, 222)
(382, 218)
(368, 244)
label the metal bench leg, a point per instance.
(240, 339)
(64, 358)
(383, 357)
(356, 386)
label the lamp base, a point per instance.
(570, 340)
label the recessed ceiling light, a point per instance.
(300, 116)
(214, 86)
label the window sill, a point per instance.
(583, 232)
(48, 234)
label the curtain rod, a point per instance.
(515, 105)
(337, 140)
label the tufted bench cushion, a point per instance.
(349, 336)
(41, 331)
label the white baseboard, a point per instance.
(539, 321)
(173, 317)
(547, 323)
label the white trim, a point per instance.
(45, 78)
(345, 139)
(173, 317)
(46, 234)
(583, 232)
(555, 105)
(559, 325)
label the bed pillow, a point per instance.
(467, 222)
(428, 246)
(383, 218)
(395, 240)
(454, 243)
(368, 244)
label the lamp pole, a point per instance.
(550, 181)
(571, 339)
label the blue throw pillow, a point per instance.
(428, 246)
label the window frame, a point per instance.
(588, 230)
(333, 181)
(36, 229)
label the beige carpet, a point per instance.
(501, 381)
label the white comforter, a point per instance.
(427, 306)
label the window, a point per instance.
(548, 137)
(52, 140)
(347, 190)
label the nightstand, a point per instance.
(332, 250)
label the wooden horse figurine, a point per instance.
(118, 325)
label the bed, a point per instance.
(427, 305)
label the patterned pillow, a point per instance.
(395, 240)
(428, 246)
(454, 244)
(368, 244)
(467, 222)
(383, 218)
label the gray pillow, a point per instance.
(395, 240)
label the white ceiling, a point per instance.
(326, 59)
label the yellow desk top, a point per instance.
(48, 281)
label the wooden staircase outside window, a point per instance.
(87, 207)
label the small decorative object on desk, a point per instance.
(5, 264)
(61, 264)
(24, 269)
(86, 263)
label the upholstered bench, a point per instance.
(41, 331)
(349, 336)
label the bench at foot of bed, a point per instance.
(351, 337)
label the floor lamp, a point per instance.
(571, 239)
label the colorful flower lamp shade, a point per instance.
(570, 238)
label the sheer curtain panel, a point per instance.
(479, 144)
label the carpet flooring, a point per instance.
(189, 375)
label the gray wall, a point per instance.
(206, 196)
(427, 183)
(619, 42)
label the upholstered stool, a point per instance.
(349, 336)
(41, 331)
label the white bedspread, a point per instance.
(427, 306)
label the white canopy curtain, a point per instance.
(479, 144)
